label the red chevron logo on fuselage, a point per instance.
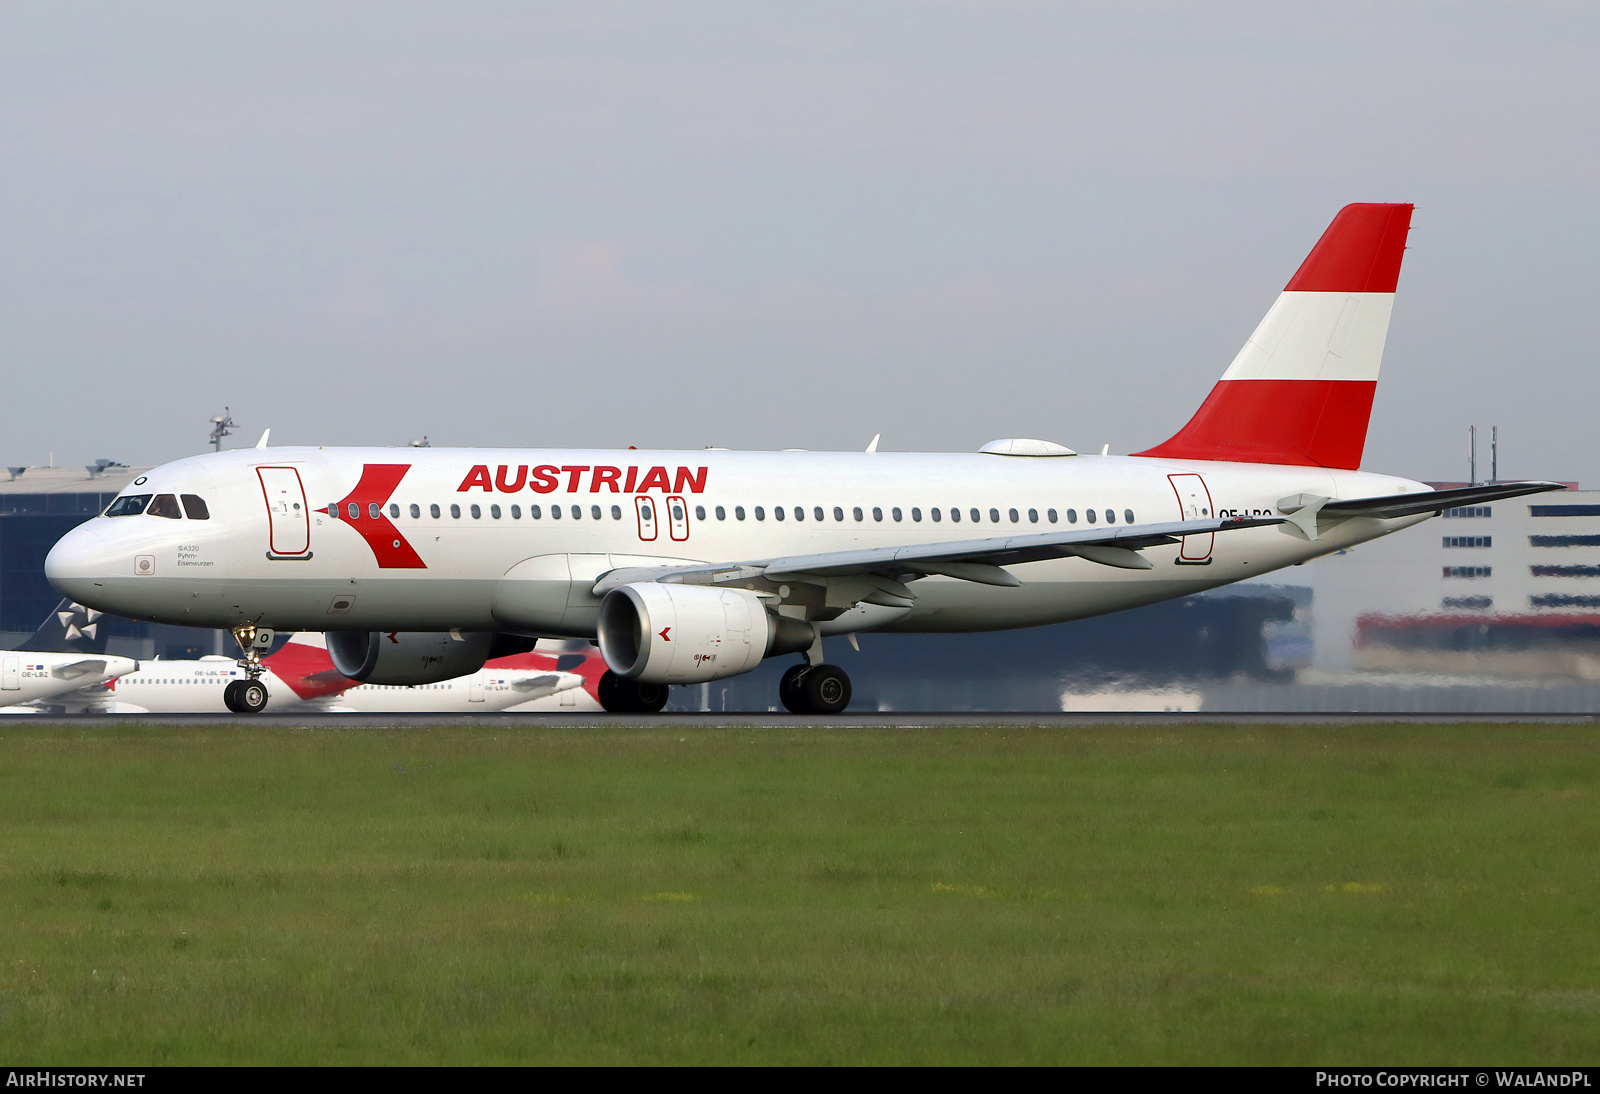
(362, 509)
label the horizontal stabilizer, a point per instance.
(1409, 505)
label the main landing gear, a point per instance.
(620, 696)
(814, 689)
(249, 696)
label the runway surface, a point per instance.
(888, 720)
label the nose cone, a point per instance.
(80, 565)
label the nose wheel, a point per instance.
(619, 696)
(814, 689)
(249, 696)
(245, 696)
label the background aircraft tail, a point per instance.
(1300, 391)
(70, 628)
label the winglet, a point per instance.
(262, 443)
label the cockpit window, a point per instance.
(130, 505)
(195, 506)
(165, 505)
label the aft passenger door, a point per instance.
(1194, 503)
(11, 674)
(289, 525)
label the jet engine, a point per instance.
(408, 657)
(688, 634)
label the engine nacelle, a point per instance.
(407, 657)
(688, 634)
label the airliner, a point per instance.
(300, 677)
(686, 567)
(65, 655)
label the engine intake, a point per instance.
(688, 634)
(407, 657)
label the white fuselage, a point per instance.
(27, 677)
(270, 553)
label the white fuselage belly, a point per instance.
(241, 567)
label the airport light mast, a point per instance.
(221, 427)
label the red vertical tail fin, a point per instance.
(1301, 389)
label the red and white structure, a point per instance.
(687, 567)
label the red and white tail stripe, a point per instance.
(1300, 391)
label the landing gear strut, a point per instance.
(815, 689)
(249, 696)
(621, 696)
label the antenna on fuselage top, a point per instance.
(221, 427)
(873, 447)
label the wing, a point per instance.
(979, 560)
(74, 669)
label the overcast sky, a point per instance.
(773, 226)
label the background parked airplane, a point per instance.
(65, 655)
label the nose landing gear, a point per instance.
(249, 696)
(245, 696)
(814, 689)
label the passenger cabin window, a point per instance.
(477, 513)
(994, 516)
(799, 513)
(955, 515)
(416, 511)
(895, 513)
(130, 505)
(555, 513)
(616, 512)
(455, 511)
(777, 511)
(1088, 514)
(856, 512)
(916, 514)
(699, 512)
(1050, 515)
(817, 512)
(516, 512)
(1033, 516)
(1012, 513)
(1127, 516)
(738, 512)
(677, 511)
(534, 512)
(354, 510)
(494, 511)
(577, 512)
(373, 511)
(1111, 516)
(838, 514)
(722, 514)
(594, 511)
(761, 514)
(394, 511)
(195, 506)
(165, 505)
(433, 511)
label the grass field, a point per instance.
(1204, 894)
